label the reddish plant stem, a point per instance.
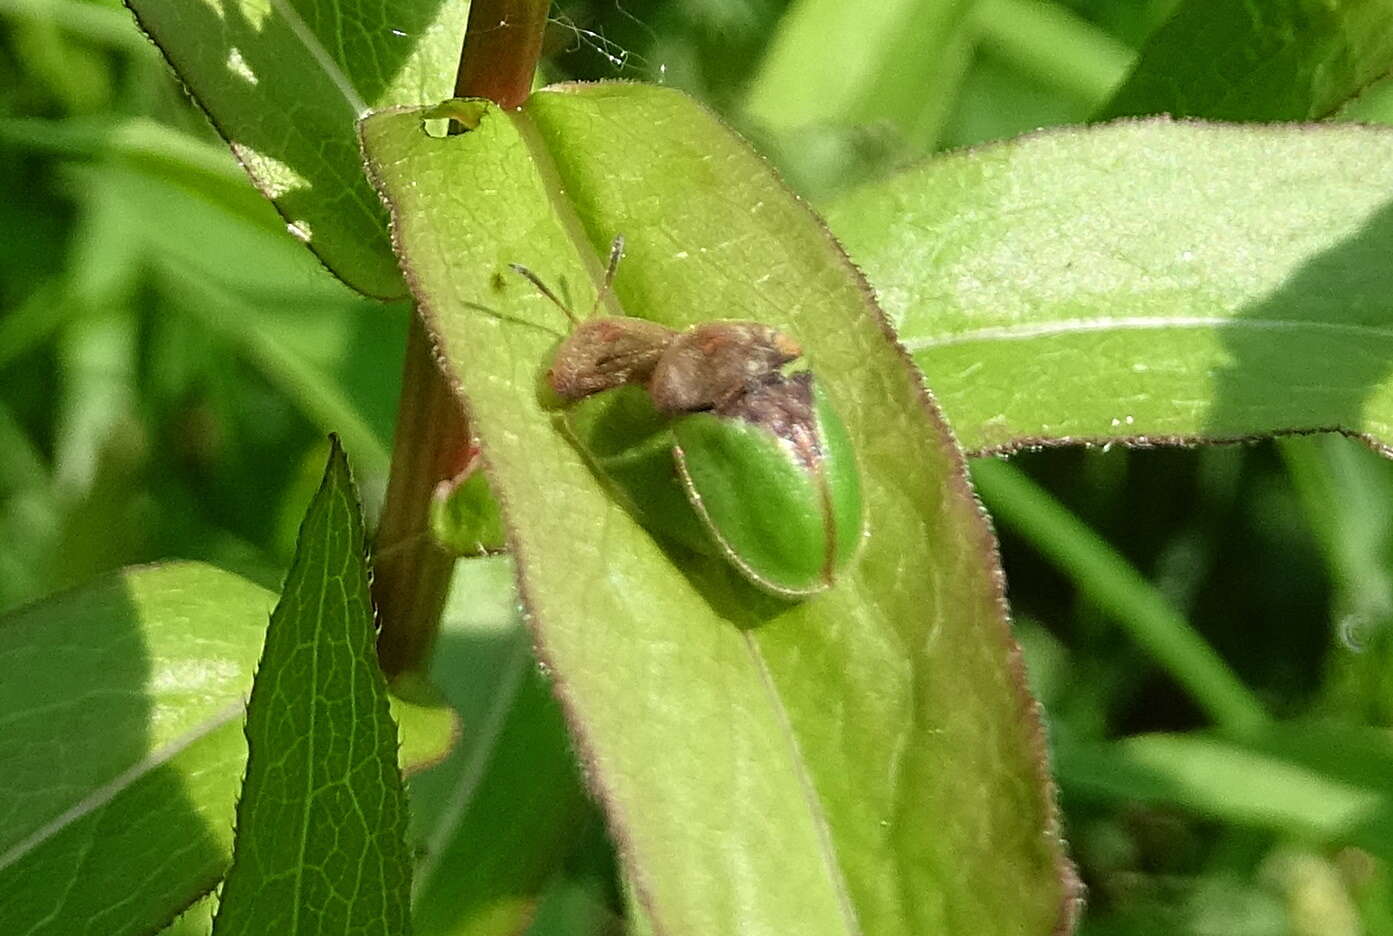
(501, 49)
(411, 572)
(502, 44)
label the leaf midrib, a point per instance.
(1027, 331)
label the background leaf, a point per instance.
(1275, 60)
(889, 69)
(1121, 592)
(512, 818)
(864, 761)
(284, 82)
(145, 673)
(157, 152)
(121, 838)
(321, 820)
(1055, 44)
(503, 828)
(1154, 281)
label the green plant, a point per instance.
(867, 760)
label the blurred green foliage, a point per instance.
(171, 360)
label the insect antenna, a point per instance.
(542, 288)
(616, 251)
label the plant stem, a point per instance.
(411, 572)
(501, 49)
(502, 44)
(1117, 587)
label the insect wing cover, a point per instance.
(773, 477)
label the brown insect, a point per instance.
(707, 366)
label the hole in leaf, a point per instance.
(455, 116)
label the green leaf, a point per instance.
(464, 516)
(122, 751)
(128, 709)
(862, 762)
(1274, 60)
(197, 920)
(321, 822)
(1373, 105)
(285, 83)
(1152, 281)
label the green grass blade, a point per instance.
(319, 397)
(514, 823)
(496, 821)
(1317, 782)
(153, 149)
(1051, 42)
(1114, 585)
(894, 62)
(90, 21)
(1346, 494)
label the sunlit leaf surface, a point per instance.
(1145, 280)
